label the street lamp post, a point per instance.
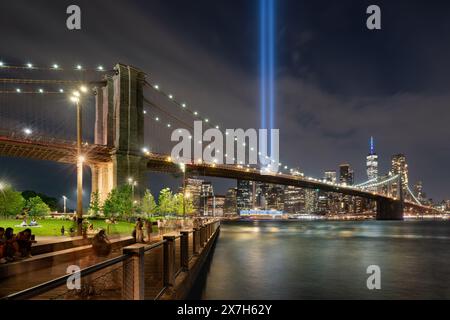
(183, 169)
(80, 159)
(65, 203)
(133, 201)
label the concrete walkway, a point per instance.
(30, 279)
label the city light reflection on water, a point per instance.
(328, 260)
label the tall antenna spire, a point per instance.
(372, 146)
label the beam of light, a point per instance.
(271, 50)
(267, 65)
(263, 60)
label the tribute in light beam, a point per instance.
(267, 63)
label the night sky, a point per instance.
(337, 83)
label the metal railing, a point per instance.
(61, 282)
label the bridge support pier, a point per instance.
(120, 124)
(388, 209)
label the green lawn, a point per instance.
(52, 227)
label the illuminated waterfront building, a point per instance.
(230, 201)
(275, 198)
(311, 201)
(399, 166)
(418, 191)
(215, 206)
(244, 195)
(346, 175)
(194, 189)
(330, 176)
(294, 199)
(206, 193)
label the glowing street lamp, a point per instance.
(65, 203)
(133, 184)
(183, 169)
(27, 131)
(75, 98)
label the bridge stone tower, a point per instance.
(119, 124)
(392, 209)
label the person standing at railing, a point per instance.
(139, 230)
(159, 224)
(148, 227)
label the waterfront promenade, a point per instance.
(132, 271)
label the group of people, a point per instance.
(33, 223)
(138, 232)
(143, 228)
(15, 246)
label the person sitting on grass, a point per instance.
(25, 240)
(101, 244)
(33, 223)
(24, 223)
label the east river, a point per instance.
(328, 260)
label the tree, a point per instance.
(165, 202)
(183, 208)
(178, 204)
(50, 201)
(149, 206)
(94, 206)
(190, 209)
(119, 202)
(11, 202)
(36, 207)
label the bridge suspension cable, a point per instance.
(412, 195)
(184, 107)
(365, 183)
(53, 67)
(372, 185)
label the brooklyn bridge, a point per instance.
(133, 121)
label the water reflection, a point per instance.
(328, 260)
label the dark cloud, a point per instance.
(337, 83)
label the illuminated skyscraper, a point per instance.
(372, 162)
(230, 201)
(275, 198)
(399, 166)
(346, 177)
(346, 174)
(418, 191)
(207, 192)
(194, 189)
(330, 176)
(294, 199)
(244, 195)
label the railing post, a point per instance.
(196, 242)
(202, 236)
(184, 250)
(169, 261)
(133, 273)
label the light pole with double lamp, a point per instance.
(80, 159)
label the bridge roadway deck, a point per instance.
(51, 149)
